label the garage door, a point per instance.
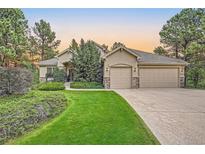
(159, 78)
(120, 78)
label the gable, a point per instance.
(121, 57)
(65, 57)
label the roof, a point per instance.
(64, 51)
(49, 62)
(151, 58)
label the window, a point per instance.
(49, 70)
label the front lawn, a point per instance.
(93, 117)
(86, 85)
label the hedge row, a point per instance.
(51, 86)
(21, 113)
(86, 85)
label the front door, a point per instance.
(70, 75)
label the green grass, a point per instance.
(86, 85)
(92, 117)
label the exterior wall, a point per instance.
(43, 71)
(120, 58)
(64, 58)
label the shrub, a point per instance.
(86, 85)
(59, 75)
(15, 80)
(21, 113)
(51, 86)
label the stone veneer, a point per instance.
(106, 81)
(181, 82)
(135, 82)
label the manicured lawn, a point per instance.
(92, 117)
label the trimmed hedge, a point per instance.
(51, 86)
(86, 85)
(22, 113)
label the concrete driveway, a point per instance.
(175, 116)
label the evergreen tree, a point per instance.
(87, 62)
(45, 39)
(181, 30)
(160, 51)
(13, 36)
(116, 45)
(74, 45)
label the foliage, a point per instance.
(181, 30)
(14, 80)
(51, 86)
(93, 117)
(196, 69)
(87, 63)
(45, 40)
(116, 45)
(13, 36)
(20, 114)
(59, 75)
(74, 45)
(33, 69)
(86, 85)
(160, 51)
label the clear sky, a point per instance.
(136, 28)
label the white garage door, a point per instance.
(120, 78)
(159, 78)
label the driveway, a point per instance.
(175, 116)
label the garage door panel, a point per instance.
(120, 78)
(159, 77)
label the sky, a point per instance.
(136, 28)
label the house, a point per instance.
(127, 68)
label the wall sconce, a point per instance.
(135, 69)
(107, 69)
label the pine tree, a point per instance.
(13, 36)
(45, 39)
